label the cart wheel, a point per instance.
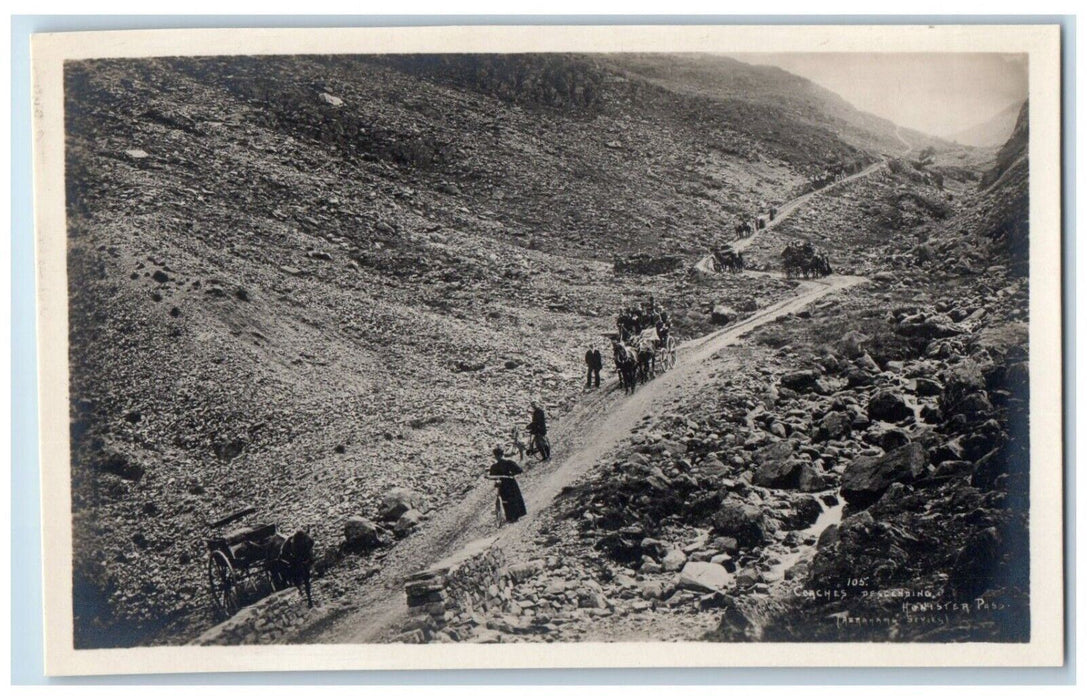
(222, 584)
(275, 579)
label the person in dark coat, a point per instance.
(538, 430)
(513, 504)
(594, 362)
(538, 426)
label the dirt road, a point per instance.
(579, 441)
(785, 210)
(595, 426)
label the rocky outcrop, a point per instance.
(396, 502)
(361, 535)
(889, 406)
(744, 522)
(867, 478)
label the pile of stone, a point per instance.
(647, 264)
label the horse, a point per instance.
(294, 562)
(626, 364)
(730, 260)
(647, 368)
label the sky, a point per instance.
(937, 93)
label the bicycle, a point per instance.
(539, 445)
(499, 508)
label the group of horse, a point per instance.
(635, 362)
(802, 259)
(641, 357)
(728, 259)
(762, 220)
(831, 174)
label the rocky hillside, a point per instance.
(1005, 189)
(297, 283)
(855, 471)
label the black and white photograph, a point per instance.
(725, 343)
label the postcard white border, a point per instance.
(1041, 42)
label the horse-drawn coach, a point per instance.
(251, 562)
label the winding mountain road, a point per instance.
(785, 210)
(597, 424)
(580, 440)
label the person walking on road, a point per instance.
(503, 472)
(594, 362)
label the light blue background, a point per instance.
(26, 600)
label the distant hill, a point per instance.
(994, 131)
(721, 77)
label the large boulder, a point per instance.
(704, 576)
(331, 100)
(779, 475)
(866, 363)
(674, 560)
(777, 469)
(852, 344)
(810, 479)
(805, 511)
(923, 386)
(928, 327)
(889, 406)
(804, 381)
(362, 534)
(959, 382)
(396, 502)
(723, 314)
(744, 522)
(866, 478)
(828, 537)
(833, 426)
(890, 439)
(976, 405)
(857, 378)
(407, 523)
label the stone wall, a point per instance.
(261, 623)
(440, 598)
